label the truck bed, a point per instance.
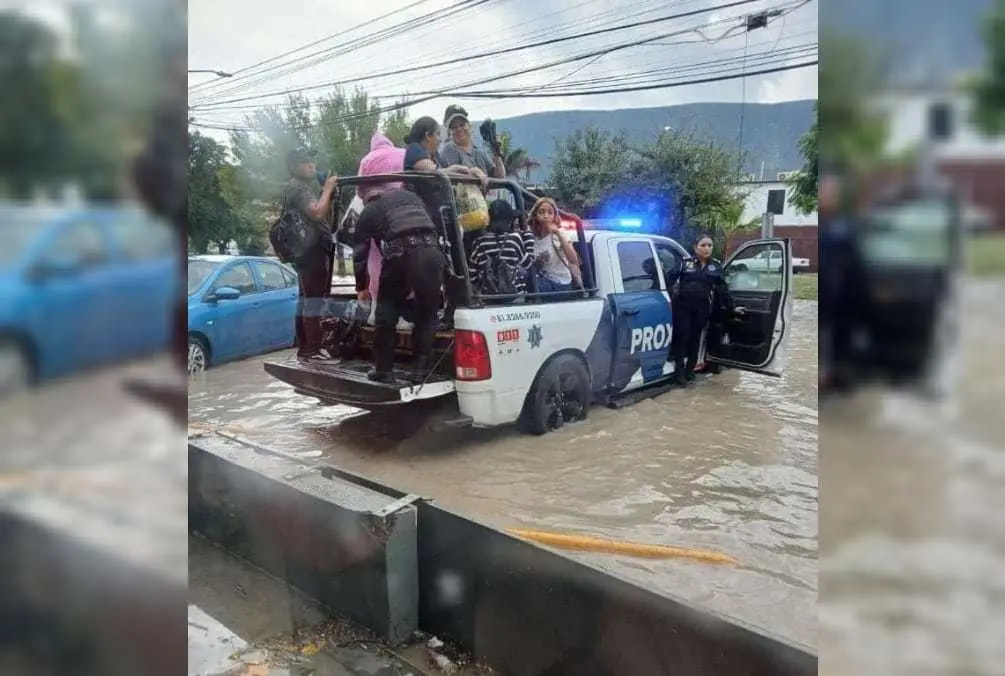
(344, 381)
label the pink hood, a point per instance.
(383, 158)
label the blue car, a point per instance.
(238, 306)
(80, 288)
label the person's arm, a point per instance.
(318, 210)
(497, 165)
(570, 251)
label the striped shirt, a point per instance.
(509, 248)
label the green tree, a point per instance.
(851, 74)
(805, 185)
(989, 86)
(211, 218)
(396, 126)
(589, 165)
(516, 160)
(697, 178)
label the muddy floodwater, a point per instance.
(911, 572)
(729, 465)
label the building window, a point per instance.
(940, 121)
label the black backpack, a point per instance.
(292, 235)
(501, 277)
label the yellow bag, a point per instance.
(472, 208)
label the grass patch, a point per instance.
(986, 255)
(805, 286)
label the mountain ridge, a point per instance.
(771, 131)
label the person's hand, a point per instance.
(554, 227)
(740, 310)
(331, 182)
(363, 296)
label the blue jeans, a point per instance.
(548, 285)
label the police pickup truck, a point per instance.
(541, 361)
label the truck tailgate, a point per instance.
(345, 382)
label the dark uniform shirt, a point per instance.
(702, 281)
(395, 214)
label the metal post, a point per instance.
(767, 225)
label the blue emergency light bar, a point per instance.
(630, 223)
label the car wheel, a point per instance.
(560, 394)
(198, 355)
(16, 371)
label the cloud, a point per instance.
(230, 35)
(792, 85)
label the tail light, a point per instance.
(567, 223)
(471, 356)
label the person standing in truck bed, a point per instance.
(397, 221)
(461, 149)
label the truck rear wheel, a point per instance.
(560, 394)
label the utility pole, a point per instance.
(753, 22)
(767, 225)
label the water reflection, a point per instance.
(730, 465)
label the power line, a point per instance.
(614, 90)
(639, 70)
(303, 62)
(625, 90)
(483, 55)
(316, 42)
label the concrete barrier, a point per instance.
(518, 607)
(68, 606)
(351, 548)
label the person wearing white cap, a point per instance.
(461, 148)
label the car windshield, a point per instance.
(198, 270)
(910, 233)
(19, 227)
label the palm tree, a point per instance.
(516, 160)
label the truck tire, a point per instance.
(560, 394)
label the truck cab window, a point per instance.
(639, 271)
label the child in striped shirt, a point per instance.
(499, 258)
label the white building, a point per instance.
(909, 113)
(756, 203)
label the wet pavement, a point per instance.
(87, 458)
(729, 465)
(911, 564)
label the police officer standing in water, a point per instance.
(398, 221)
(700, 287)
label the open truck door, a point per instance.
(755, 338)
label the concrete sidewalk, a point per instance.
(243, 622)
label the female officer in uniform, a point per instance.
(700, 286)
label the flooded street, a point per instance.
(911, 572)
(730, 465)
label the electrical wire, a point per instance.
(497, 52)
(589, 20)
(638, 70)
(527, 95)
(300, 63)
(240, 72)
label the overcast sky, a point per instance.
(231, 35)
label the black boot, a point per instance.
(420, 371)
(385, 377)
(690, 376)
(679, 374)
